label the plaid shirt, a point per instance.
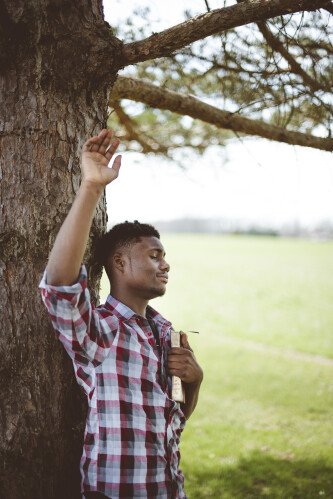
(133, 426)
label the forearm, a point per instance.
(191, 397)
(69, 247)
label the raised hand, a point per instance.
(96, 155)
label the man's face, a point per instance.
(145, 269)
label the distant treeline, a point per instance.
(320, 230)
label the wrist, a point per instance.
(196, 384)
(92, 188)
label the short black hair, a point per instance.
(123, 234)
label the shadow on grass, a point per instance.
(259, 476)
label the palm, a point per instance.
(96, 156)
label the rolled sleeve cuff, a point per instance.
(70, 293)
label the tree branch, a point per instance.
(240, 69)
(216, 21)
(141, 91)
(277, 46)
(147, 144)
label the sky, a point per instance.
(253, 180)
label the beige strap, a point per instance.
(178, 393)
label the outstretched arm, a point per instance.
(69, 247)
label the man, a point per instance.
(120, 350)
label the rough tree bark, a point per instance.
(54, 81)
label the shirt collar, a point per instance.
(156, 316)
(123, 312)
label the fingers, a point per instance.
(183, 372)
(178, 351)
(110, 149)
(93, 143)
(179, 373)
(176, 365)
(188, 370)
(102, 143)
(174, 359)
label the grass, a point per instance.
(263, 306)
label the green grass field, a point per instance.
(263, 306)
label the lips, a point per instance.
(163, 277)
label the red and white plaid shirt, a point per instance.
(133, 426)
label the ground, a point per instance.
(263, 307)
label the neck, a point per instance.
(135, 303)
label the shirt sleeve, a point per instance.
(75, 320)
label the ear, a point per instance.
(118, 261)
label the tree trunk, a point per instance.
(57, 62)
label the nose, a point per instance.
(164, 265)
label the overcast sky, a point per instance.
(252, 180)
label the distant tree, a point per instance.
(59, 61)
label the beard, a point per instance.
(154, 292)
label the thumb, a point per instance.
(113, 172)
(184, 341)
(116, 164)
